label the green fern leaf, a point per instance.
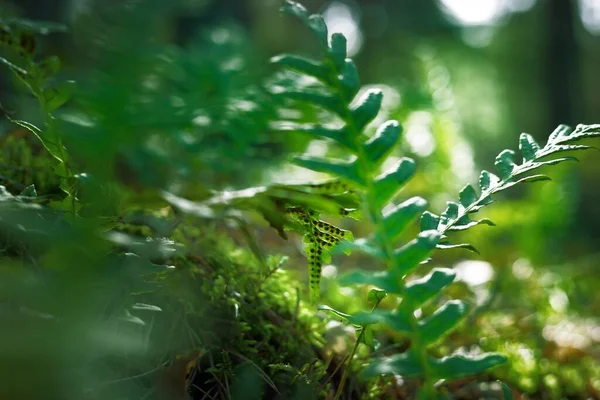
(343, 169)
(505, 163)
(420, 291)
(337, 50)
(367, 108)
(314, 22)
(390, 182)
(303, 65)
(397, 219)
(404, 364)
(349, 80)
(429, 221)
(461, 366)
(385, 280)
(382, 143)
(416, 251)
(528, 147)
(442, 321)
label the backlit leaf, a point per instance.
(414, 252)
(528, 147)
(349, 79)
(461, 366)
(403, 364)
(429, 221)
(375, 296)
(343, 169)
(337, 50)
(382, 143)
(385, 280)
(442, 321)
(303, 65)
(390, 182)
(398, 218)
(468, 196)
(505, 163)
(487, 180)
(426, 288)
(367, 108)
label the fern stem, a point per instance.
(375, 216)
(340, 388)
(351, 357)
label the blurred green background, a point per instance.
(464, 77)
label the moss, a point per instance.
(23, 164)
(238, 323)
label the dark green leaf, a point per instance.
(362, 245)
(57, 96)
(303, 65)
(381, 279)
(429, 221)
(442, 321)
(528, 147)
(419, 291)
(340, 136)
(487, 180)
(414, 252)
(505, 163)
(342, 169)
(337, 50)
(383, 142)
(461, 366)
(450, 214)
(29, 191)
(350, 80)
(367, 337)
(468, 196)
(316, 97)
(367, 108)
(398, 218)
(375, 296)
(315, 22)
(391, 181)
(318, 26)
(403, 364)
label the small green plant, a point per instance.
(361, 172)
(37, 75)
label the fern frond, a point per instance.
(456, 216)
(338, 84)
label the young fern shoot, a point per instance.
(338, 85)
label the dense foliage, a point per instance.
(135, 258)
